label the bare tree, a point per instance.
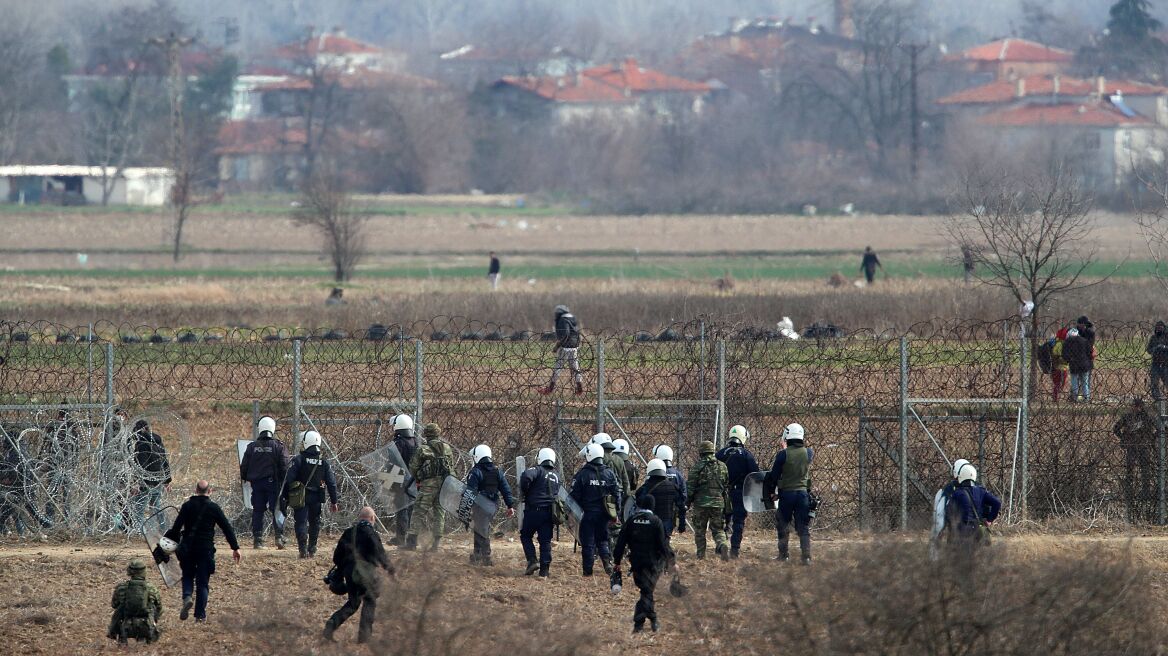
(1028, 232)
(19, 59)
(326, 207)
(1152, 218)
(181, 197)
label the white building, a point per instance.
(83, 185)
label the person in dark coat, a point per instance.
(1077, 351)
(869, 264)
(1136, 431)
(567, 348)
(649, 554)
(1158, 349)
(313, 472)
(357, 557)
(493, 271)
(789, 483)
(265, 466)
(668, 501)
(153, 472)
(194, 531)
(486, 479)
(740, 463)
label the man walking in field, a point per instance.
(567, 349)
(493, 272)
(869, 263)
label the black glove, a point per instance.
(160, 556)
(681, 526)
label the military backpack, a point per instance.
(136, 600)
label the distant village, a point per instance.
(329, 91)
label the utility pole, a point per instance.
(914, 50)
(173, 45)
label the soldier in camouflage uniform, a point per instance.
(708, 488)
(617, 466)
(431, 464)
(137, 606)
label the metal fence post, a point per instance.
(297, 361)
(721, 423)
(600, 406)
(861, 456)
(903, 433)
(89, 365)
(110, 397)
(1162, 506)
(255, 418)
(1024, 429)
(418, 381)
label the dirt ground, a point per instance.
(57, 596)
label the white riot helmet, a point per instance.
(602, 438)
(592, 452)
(957, 465)
(967, 473)
(664, 452)
(266, 425)
(480, 452)
(620, 445)
(655, 467)
(311, 439)
(167, 545)
(739, 434)
(403, 423)
(546, 455)
(793, 432)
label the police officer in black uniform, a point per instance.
(312, 471)
(649, 552)
(740, 463)
(667, 499)
(264, 465)
(406, 443)
(592, 484)
(538, 487)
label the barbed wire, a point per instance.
(481, 382)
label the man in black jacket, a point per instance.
(1078, 353)
(358, 554)
(153, 471)
(1158, 349)
(567, 349)
(264, 465)
(649, 552)
(312, 471)
(194, 531)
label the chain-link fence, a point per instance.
(885, 412)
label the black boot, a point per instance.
(434, 547)
(734, 553)
(411, 543)
(544, 570)
(302, 546)
(608, 568)
(312, 546)
(532, 566)
(257, 543)
(654, 625)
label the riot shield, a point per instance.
(241, 448)
(393, 485)
(575, 512)
(153, 529)
(473, 510)
(752, 498)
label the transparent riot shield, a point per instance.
(752, 496)
(575, 512)
(473, 510)
(393, 485)
(152, 530)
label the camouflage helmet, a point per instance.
(135, 567)
(706, 447)
(432, 430)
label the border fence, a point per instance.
(886, 412)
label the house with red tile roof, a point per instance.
(623, 89)
(1104, 136)
(336, 50)
(1150, 100)
(1011, 58)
